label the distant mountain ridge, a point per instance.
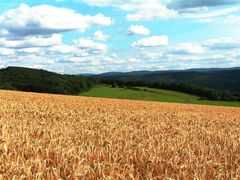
(145, 72)
(27, 79)
(217, 78)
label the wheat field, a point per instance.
(65, 137)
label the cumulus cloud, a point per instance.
(231, 19)
(100, 19)
(63, 49)
(90, 46)
(98, 35)
(6, 52)
(154, 41)
(223, 43)
(32, 36)
(176, 4)
(33, 50)
(32, 41)
(149, 11)
(138, 30)
(45, 20)
(152, 9)
(151, 55)
(227, 20)
(210, 14)
(142, 10)
(187, 48)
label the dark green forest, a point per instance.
(33, 80)
(222, 85)
(205, 92)
(221, 79)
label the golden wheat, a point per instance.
(51, 137)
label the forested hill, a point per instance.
(221, 79)
(214, 84)
(33, 80)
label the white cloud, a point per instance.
(98, 35)
(231, 19)
(149, 11)
(29, 32)
(142, 10)
(6, 52)
(210, 14)
(123, 3)
(63, 49)
(29, 36)
(34, 50)
(90, 46)
(187, 48)
(101, 3)
(100, 19)
(173, 4)
(32, 41)
(223, 43)
(138, 30)
(151, 55)
(154, 41)
(46, 19)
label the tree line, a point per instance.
(32, 80)
(204, 92)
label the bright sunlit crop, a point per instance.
(51, 137)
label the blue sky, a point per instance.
(95, 36)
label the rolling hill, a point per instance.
(34, 80)
(222, 79)
(211, 84)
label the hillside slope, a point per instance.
(151, 94)
(223, 79)
(26, 79)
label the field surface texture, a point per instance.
(51, 137)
